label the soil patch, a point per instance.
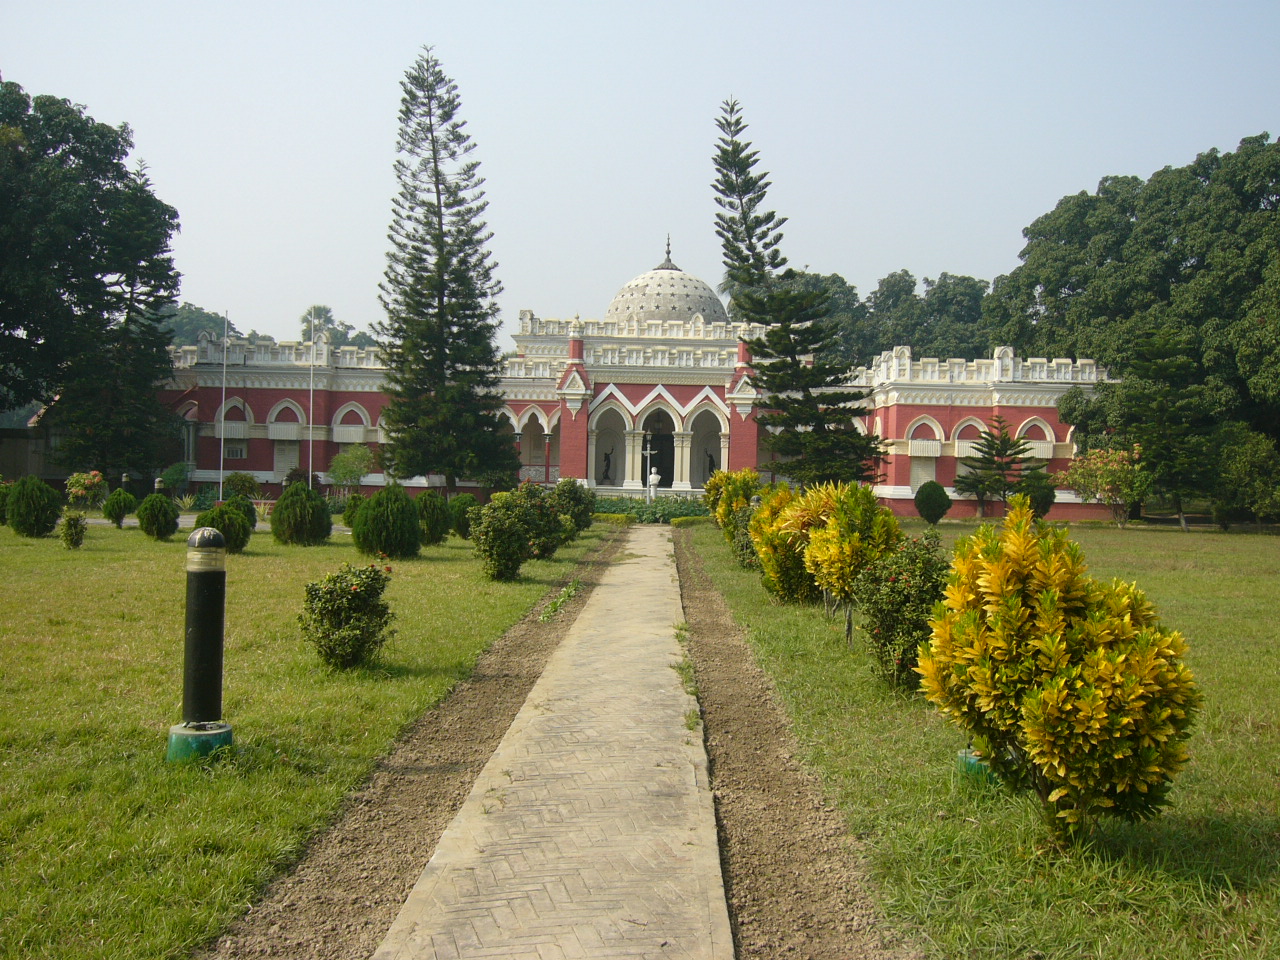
(792, 875)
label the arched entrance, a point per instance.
(610, 467)
(706, 448)
(659, 437)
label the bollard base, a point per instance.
(191, 741)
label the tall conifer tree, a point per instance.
(439, 289)
(803, 389)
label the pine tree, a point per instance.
(439, 289)
(999, 464)
(802, 388)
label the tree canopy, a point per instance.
(319, 319)
(186, 320)
(439, 337)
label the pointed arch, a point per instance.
(1035, 421)
(924, 420)
(286, 404)
(340, 414)
(628, 421)
(977, 424)
(234, 403)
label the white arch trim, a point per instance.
(234, 402)
(275, 411)
(504, 412)
(628, 418)
(679, 411)
(932, 423)
(982, 426)
(346, 408)
(1040, 422)
(711, 408)
(532, 412)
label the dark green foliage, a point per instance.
(242, 484)
(434, 518)
(299, 475)
(4, 501)
(175, 478)
(744, 548)
(185, 321)
(354, 503)
(1038, 487)
(895, 595)
(662, 509)
(387, 524)
(439, 338)
(73, 529)
(301, 517)
(548, 528)
(574, 500)
(932, 501)
(158, 516)
(118, 505)
(230, 522)
(460, 506)
(245, 505)
(33, 507)
(500, 532)
(997, 466)
(345, 617)
(205, 498)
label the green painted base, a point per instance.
(193, 741)
(974, 767)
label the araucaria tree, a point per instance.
(804, 390)
(439, 335)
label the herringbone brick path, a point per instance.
(591, 831)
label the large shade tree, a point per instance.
(809, 407)
(439, 337)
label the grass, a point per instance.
(967, 868)
(106, 851)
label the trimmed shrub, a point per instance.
(245, 506)
(695, 522)
(858, 531)
(547, 529)
(895, 594)
(1039, 489)
(614, 519)
(298, 475)
(1069, 687)
(73, 529)
(119, 505)
(500, 534)
(932, 501)
(33, 507)
(354, 503)
(231, 523)
(242, 484)
(662, 509)
(460, 506)
(345, 617)
(301, 517)
(158, 516)
(434, 518)
(387, 524)
(575, 501)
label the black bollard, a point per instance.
(202, 730)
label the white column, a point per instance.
(590, 482)
(683, 442)
(635, 460)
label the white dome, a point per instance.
(666, 293)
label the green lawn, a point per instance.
(967, 868)
(106, 850)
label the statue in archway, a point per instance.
(605, 478)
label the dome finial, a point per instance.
(667, 264)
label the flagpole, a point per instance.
(311, 396)
(222, 411)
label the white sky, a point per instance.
(916, 135)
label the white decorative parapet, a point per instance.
(897, 366)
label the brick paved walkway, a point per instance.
(591, 831)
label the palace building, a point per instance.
(659, 381)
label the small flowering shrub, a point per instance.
(1069, 687)
(460, 506)
(345, 617)
(434, 518)
(158, 516)
(86, 490)
(932, 501)
(895, 595)
(231, 523)
(387, 524)
(301, 516)
(242, 503)
(32, 507)
(500, 533)
(118, 505)
(1114, 477)
(73, 529)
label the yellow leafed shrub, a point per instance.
(856, 532)
(781, 551)
(1069, 687)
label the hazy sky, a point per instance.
(922, 135)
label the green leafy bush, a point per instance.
(118, 505)
(231, 523)
(547, 529)
(895, 595)
(574, 500)
(33, 507)
(175, 478)
(932, 501)
(1038, 488)
(692, 522)
(354, 503)
(4, 501)
(301, 517)
(1070, 688)
(387, 524)
(744, 548)
(345, 617)
(298, 475)
(73, 529)
(662, 509)
(242, 503)
(500, 533)
(614, 519)
(434, 518)
(460, 506)
(242, 484)
(158, 516)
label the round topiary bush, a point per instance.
(242, 484)
(387, 524)
(158, 516)
(434, 517)
(242, 503)
(501, 533)
(1069, 687)
(345, 617)
(231, 523)
(460, 506)
(33, 507)
(932, 501)
(119, 505)
(301, 517)
(354, 503)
